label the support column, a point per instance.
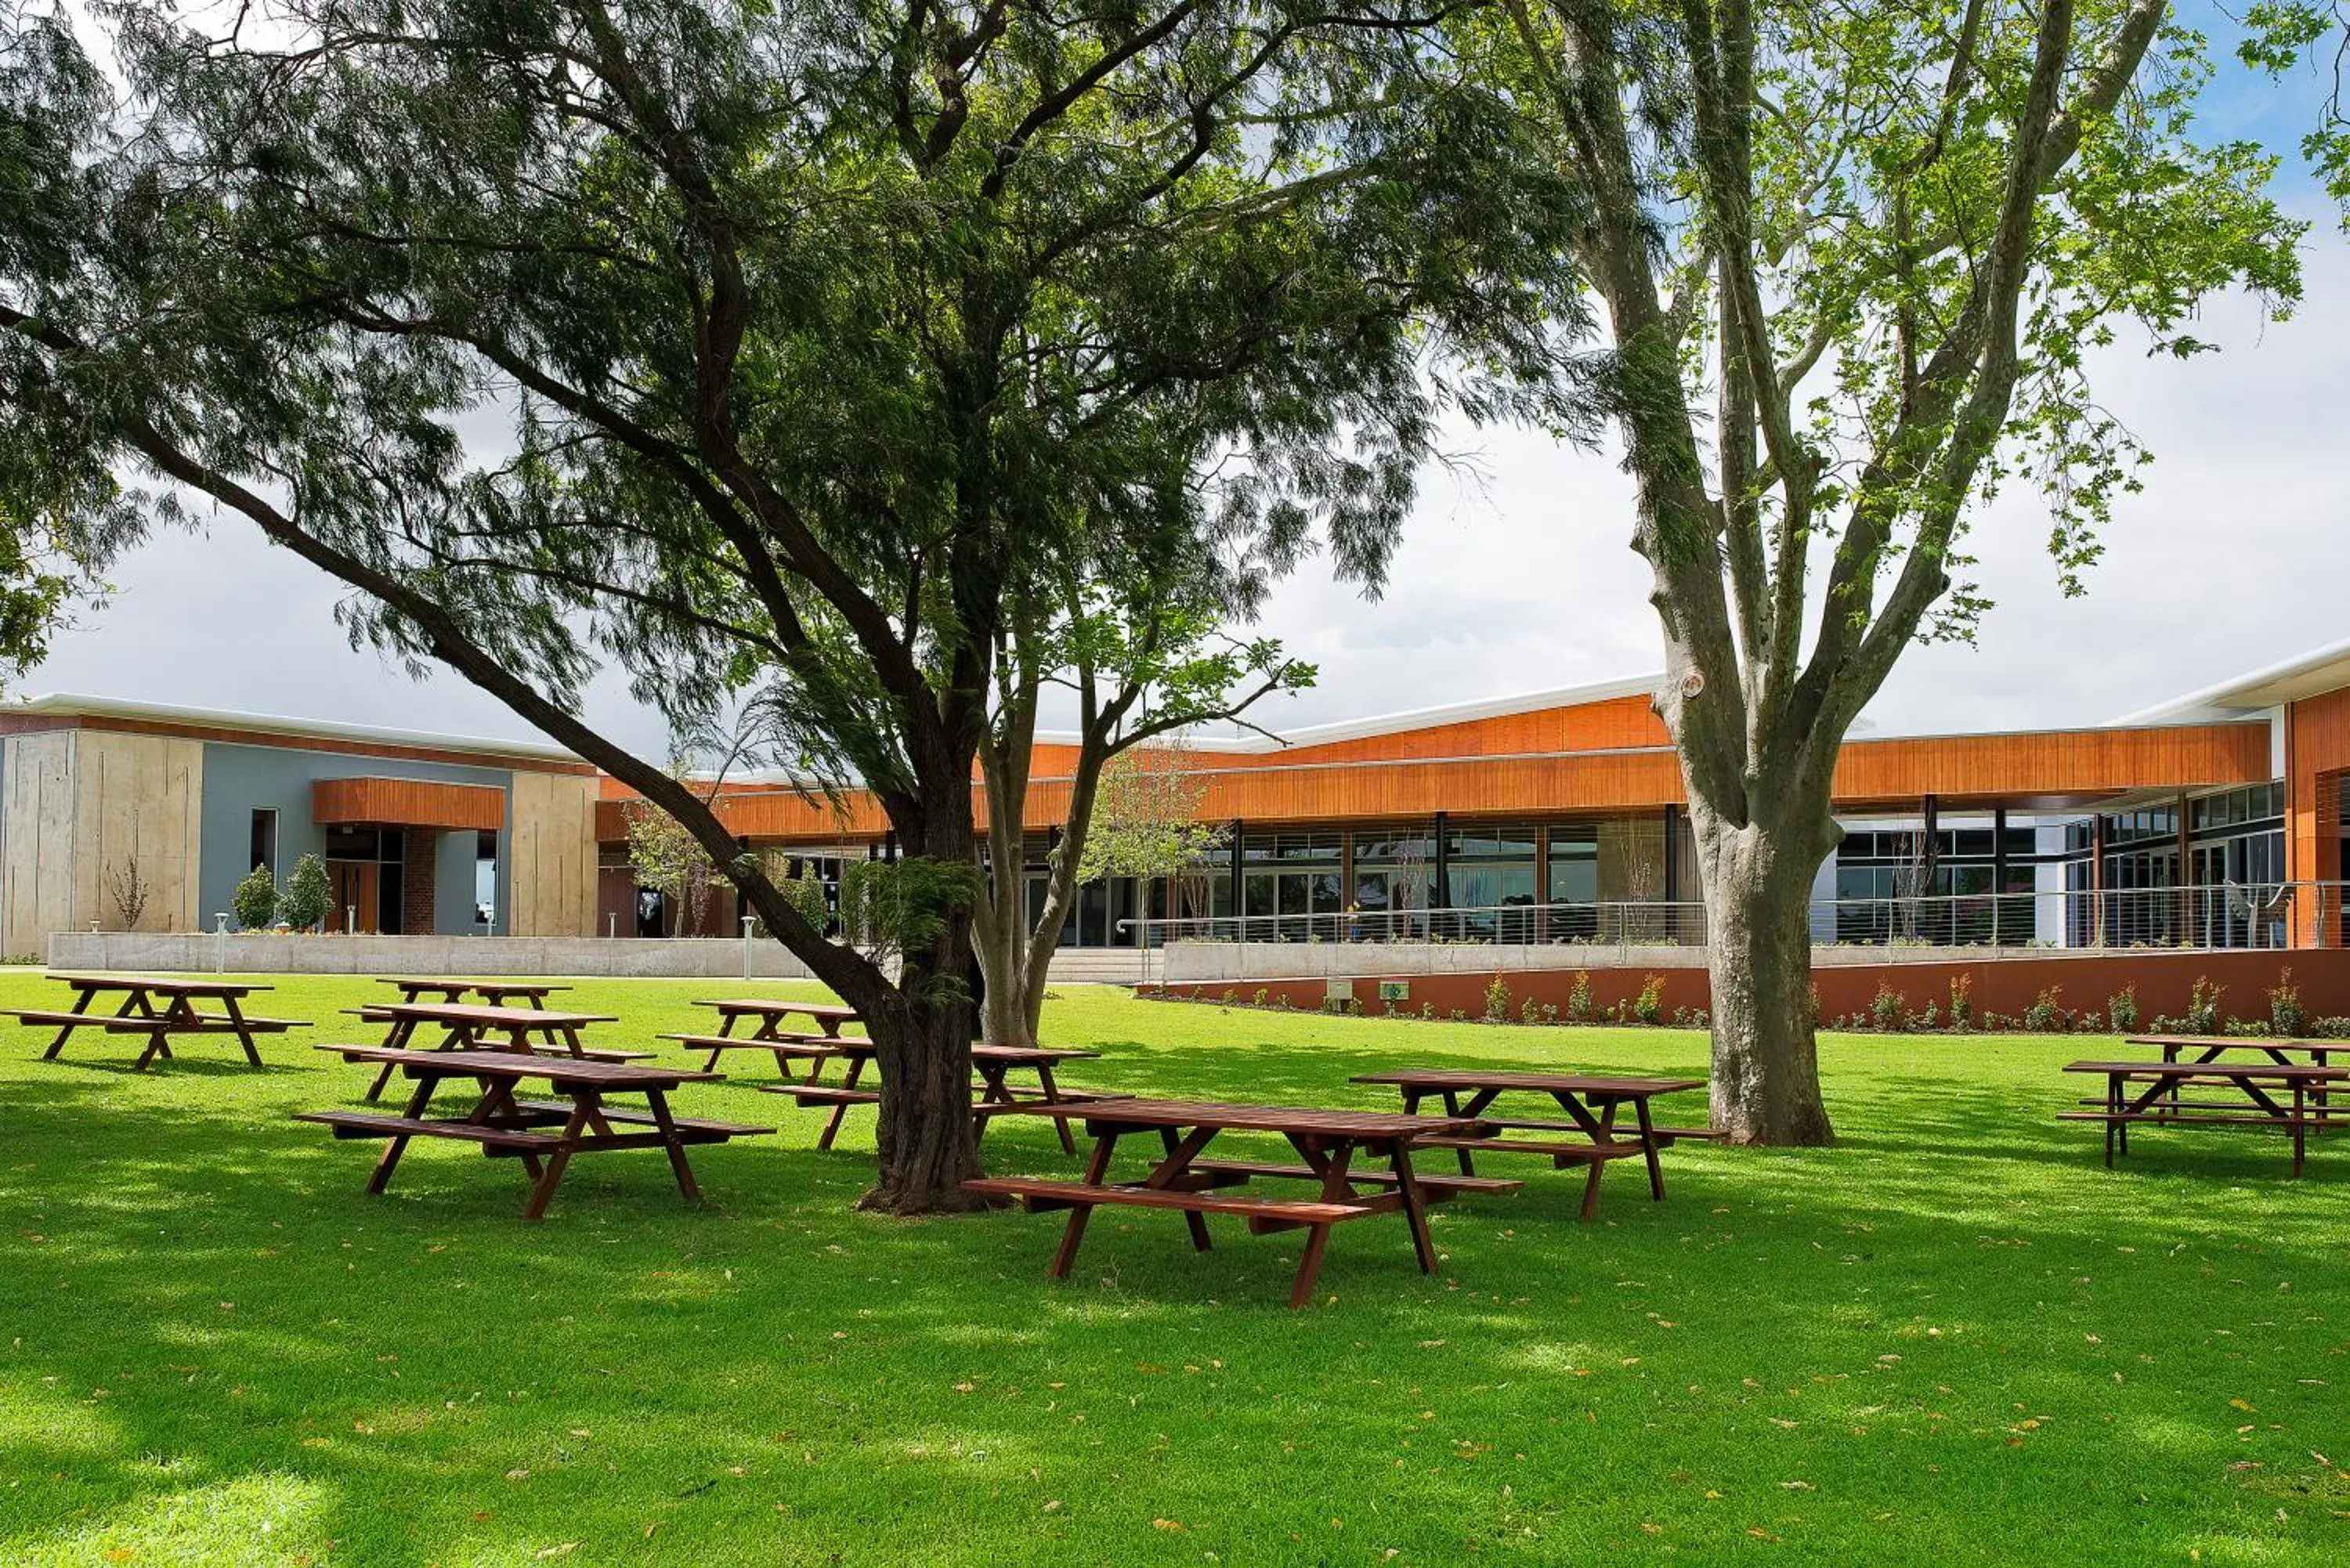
(1441, 895)
(2184, 901)
(2097, 880)
(1238, 881)
(1668, 874)
(1998, 873)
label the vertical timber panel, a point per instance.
(138, 799)
(551, 864)
(36, 879)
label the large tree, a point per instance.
(763, 351)
(1857, 264)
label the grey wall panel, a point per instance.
(240, 780)
(452, 887)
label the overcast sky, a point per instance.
(1519, 577)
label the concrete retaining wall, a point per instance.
(259, 952)
(681, 958)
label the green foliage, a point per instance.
(1578, 999)
(309, 895)
(1497, 1000)
(2203, 1004)
(1887, 1007)
(902, 906)
(255, 900)
(1962, 1001)
(1648, 1006)
(1145, 818)
(2121, 1009)
(2046, 1014)
(2286, 1014)
(808, 898)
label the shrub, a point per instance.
(2285, 1014)
(1531, 1013)
(2045, 1016)
(1701, 1019)
(2090, 1023)
(1550, 1012)
(1353, 1007)
(1497, 1001)
(1815, 1004)
(2203, 1006)
(1998, 1021)
(1648, 1007)
(1258, 1000)
(309, 895)
(1885, 1008)
(2121, 1007)
(1428, 1010)
(255, 900)
(1458, 1017)
(2248, 1028)
(2337, 1028)
(1579, 997)
(1931, 1018)
(1962, 1001)
(1230, 996)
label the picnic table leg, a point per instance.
(244, 1034)
(1453, 1108)
(2112, 1110)
(1194, 1222)
(1648, 1146)
(840, 1112)
(542, 1191)
(402, 1030)
(1052, 1097)
(395, 1147)
(674, 1143)
(1309, 1263)
(1065, 1254)
(1415, 1207)
(80, 1005)
(2300, 1126)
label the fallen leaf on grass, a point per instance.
(565, 1550)
(1797, 1485)
(1164, 1524)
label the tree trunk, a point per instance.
(1005, 1018)
(922, 1048)
(1758, 881)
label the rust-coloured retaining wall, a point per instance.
(2007, 985)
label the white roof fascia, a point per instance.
(71, 705)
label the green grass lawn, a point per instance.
(1954, 1337)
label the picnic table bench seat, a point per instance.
(586, 1053)
(786, 1045)
(384, 1123)
(133, 1024)
(1435, 1184)
(1665, 1137)
(2213, 1116)
(1037, 1194)
(558, 1109)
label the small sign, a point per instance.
(1395, 990)
(1337, 991)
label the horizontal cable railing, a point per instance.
(2217, 916)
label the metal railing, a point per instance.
(2201, 918)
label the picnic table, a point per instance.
(543, 1134)
(159, 1007)
(1589, 1137)
(473, 1026)
(768, 1033)
(495, 992)
(1326, 1144)
(2150, 1092)
(992, 1091)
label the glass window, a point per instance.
(264, 840)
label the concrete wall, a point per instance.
(550, 847)
(253, 952)
(78, 808)
(239, 780)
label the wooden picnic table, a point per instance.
(581, 1120)
(495, 992)
(161, 1007)
(1327, 1143)
(2150, 1092)
(1589, 1137)
(992, 1091)
(472, 1026)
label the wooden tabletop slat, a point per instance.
(165, 985)
(1255, 1119)
(484, 1017)
(1541, 1083)
(587, 1073)
(510, 987)
(2251, 1041)
(2270, 1071)
(772, 1007)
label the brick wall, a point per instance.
(417, 882)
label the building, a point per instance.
(421, 833)
(1554, 817)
